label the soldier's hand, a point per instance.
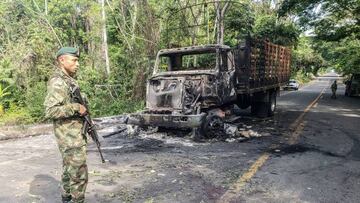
(82, 110)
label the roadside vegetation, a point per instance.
(323, 34)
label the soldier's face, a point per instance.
(69, 63)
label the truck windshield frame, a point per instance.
(212, 59)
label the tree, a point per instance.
(332, 20)
(306, 58)
(104, 38)
(335, 26)
(281, 32)
(220, 15)
(31, 31)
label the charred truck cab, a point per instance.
(191, 86)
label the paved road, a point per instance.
(308, 152)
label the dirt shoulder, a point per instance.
(20, 131)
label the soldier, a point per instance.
(333, 89)
(66, 116)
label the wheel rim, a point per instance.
(273, 103)
(272, 106)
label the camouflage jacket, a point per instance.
(59, 107)
(334, 87)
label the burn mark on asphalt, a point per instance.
(213, 192)
(300, 148)
(44, 188)
(354, 154)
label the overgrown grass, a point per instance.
(15, 116)
(99, 109)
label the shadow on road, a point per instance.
(45, 188)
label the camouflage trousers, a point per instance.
(72, 146)
(333, 96)
(75, 174)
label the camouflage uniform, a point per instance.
(71, 142)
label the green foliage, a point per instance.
(335, 26)
(116, 96)
(34, 99)
(303, 77)
(3, 93)
(16, 115)
(332, 20)
(6, 73)
(239, 22)
(305, 58)
(348, 56)
(281, 32)
(30, 35)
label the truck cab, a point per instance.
(191, 78)
(186, 84)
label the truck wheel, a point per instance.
(271, 105)
(213, 126)
(243, 102)
(264, 109)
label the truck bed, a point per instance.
(261, 65)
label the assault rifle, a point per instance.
(88, 127)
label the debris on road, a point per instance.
(233, 132)
(236, 133)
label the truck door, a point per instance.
(227, 73)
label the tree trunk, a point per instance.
(104, 39)
(218, 22)
(220, 15)
(46, 6)
(88, 47)
(134, 16)
(149, 29)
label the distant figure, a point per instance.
(333, 89)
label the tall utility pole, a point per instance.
(104, 37)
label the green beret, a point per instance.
(68, 51)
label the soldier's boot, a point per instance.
(66, 199)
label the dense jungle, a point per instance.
(119, 39)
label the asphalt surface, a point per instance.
(308, 152)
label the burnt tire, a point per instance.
(212, 126)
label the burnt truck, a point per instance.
(192, 86)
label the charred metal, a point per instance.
(190, 86)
